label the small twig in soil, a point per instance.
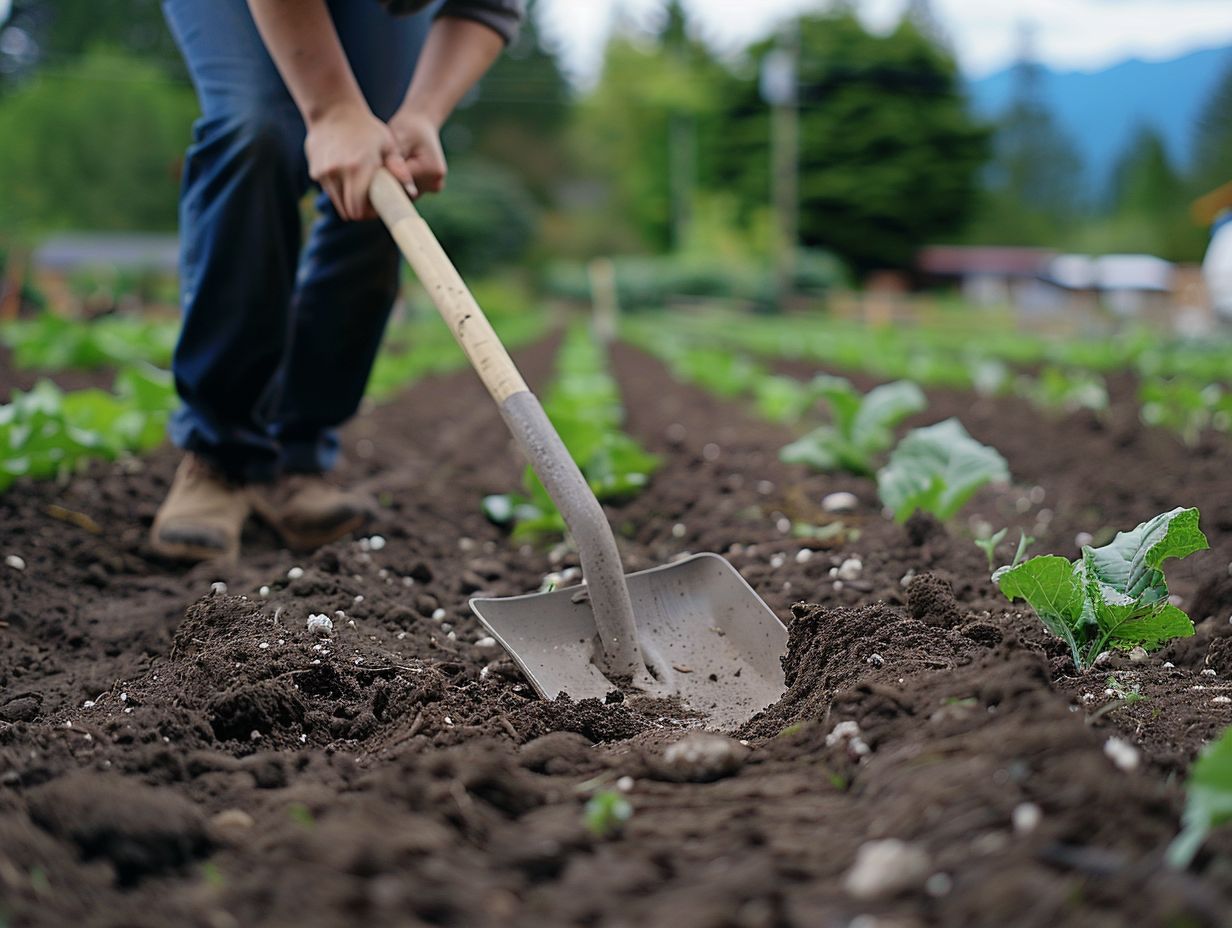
(1105, 709)
(80, 519)
(508, 726)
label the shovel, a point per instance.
(693, 630)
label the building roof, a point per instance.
(1111, 272)
(970, 260)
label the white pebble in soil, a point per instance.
(295, 573)
(840, 502)
(320, 624)
(803, 556)
(850, 569)
(218, 588)
(777, 560)
(17, 563)
(439, 614)
(487, 641)
(1122, 753)
(885, 868)
(376, 542)
(678, 530)
(701, 757)
(264, 591)
(1026, 817)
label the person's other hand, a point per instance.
(344, 148)
(419, 144)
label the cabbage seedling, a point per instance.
(1208, 800)
(989, 547)
(1114, 596)
(606, 813)
(938, 469)
(861, 427)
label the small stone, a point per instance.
(840, 502)
(1138, 654)
(850, 569)
(1082, 539)
(678, 530)
(783, 525)
(218, 588)
(439, 614)
(711, 452)
(886, 868)
(1026, 817)
(264, 646)
(803, 556)
(1122, 753)
(232, 821)
(701, 757)
(1222, 699)
(295, 573)
(12, 560)
(487, 641)
(321, 625)
(1208, 672)
(376, 542)
(264, 591)
(625, 784)
(938, 885)
(777, 560)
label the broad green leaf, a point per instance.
(1130, 625)
(1208, 800)
(842, 398)
(1130, 563)
(825, 449)
(1054, 589)
(882, 408)
(937, 469)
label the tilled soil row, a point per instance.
(171, 755)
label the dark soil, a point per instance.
(173, 755)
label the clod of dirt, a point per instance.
(590, 717)
(923, 528)
(265, 706)
(930, 599)
(140, 829)
(558, 753)
(1213, 599)
(22, 708)
(700, 757)
(1219, 656)
(887, 868)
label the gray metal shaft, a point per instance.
(601, 566)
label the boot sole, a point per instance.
(179, 551)
(305, 542)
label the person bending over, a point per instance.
(278, 336)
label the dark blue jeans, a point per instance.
(278, 337)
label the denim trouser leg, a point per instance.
(263, 357)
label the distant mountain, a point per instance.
(1101, 110)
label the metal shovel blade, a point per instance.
(722, 640)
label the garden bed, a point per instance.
(173, 755)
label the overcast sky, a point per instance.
(1070, 34)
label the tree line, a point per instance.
(669, 151)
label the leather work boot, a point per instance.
(203, 515)
(308, 511)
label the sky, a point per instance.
(1069, 34)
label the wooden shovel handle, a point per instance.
(446, 288)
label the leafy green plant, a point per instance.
(1208, 800)
(861, 426)
(51, 342)
(606, 813)
(584, 406)
(937, 468)
(1114, 596)
(1127, 694)
(47, 432)
(1184, 405)
(1065, 389)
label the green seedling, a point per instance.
(861, 426)
(1114, 596)
(1127, 694)
(937, 469)
(1065, 390)
(989, 546)
(606, 813)
(1208, 800)
(301, 815)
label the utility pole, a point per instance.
(779, 89)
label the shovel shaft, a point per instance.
(539, 441)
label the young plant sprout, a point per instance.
(1114, 596)
(937, 469)
(989, 547)
(606, 813)
(1208, 800)
(861, 426)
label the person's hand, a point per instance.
(344, 148)
(419, 143)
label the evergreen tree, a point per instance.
(1212, 163)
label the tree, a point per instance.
(1212, 161)
(889, 153)
(1033, 187)
(95, 145)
